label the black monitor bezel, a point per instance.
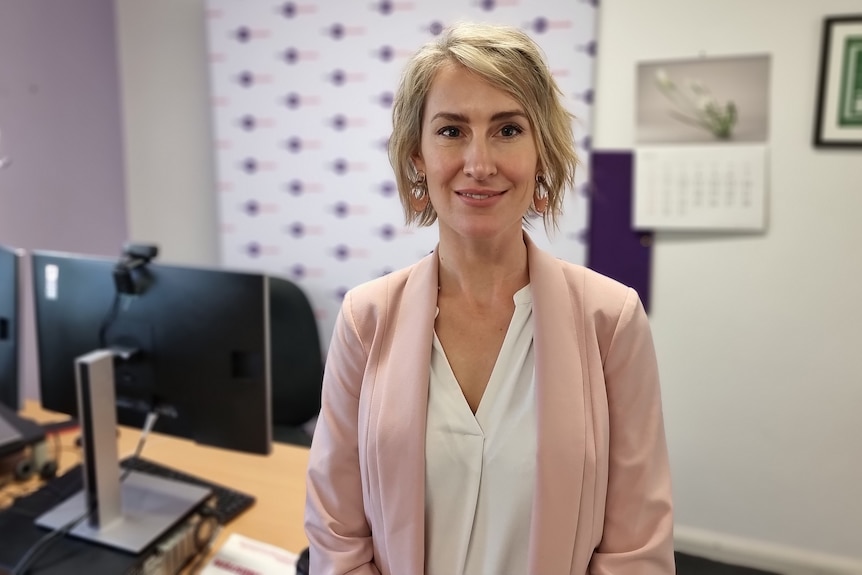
(10, 316)
(253, 431)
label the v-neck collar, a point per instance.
(522, 298)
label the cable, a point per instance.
(49, 538)
(109, 319)
(42, 544)
(149, 423)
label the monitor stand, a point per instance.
(128, 515)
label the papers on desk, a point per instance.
(241, 555)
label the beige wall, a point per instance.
(165, 96)
(758, 336)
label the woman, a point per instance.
(490, 409)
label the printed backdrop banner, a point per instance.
(302, 95)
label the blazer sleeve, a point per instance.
(638, 524)
(335, 522)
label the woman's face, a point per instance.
(478, 153)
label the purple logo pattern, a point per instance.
(302, 96)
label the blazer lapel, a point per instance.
(401, 396)
(560, 408)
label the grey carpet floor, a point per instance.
(690, 565)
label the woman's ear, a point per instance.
(418, 163)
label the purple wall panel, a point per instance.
(614, 248)
(61, 127)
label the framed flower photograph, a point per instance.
(838, 121)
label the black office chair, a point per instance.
(302, 563)
(297, 362)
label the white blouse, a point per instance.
(480, 469)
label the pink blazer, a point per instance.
(602, 504)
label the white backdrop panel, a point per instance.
(301, 110)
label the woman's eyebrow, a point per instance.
(454, 117)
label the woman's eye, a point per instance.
(510, 131)
(450, 132)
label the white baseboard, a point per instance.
(761, 555)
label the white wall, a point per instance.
(169, 154)
(757, 335)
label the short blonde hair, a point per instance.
(508, 59)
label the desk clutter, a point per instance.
(183, 352)
(185, 541)
(264, 501)
(23, 449)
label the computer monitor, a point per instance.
(203, 346)
(212, 346)
(10, 261)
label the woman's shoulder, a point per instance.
(591, 290)
(605, 304)
(595, 289)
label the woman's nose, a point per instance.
(479, 160)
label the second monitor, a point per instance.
(214, 350)
(10, 260)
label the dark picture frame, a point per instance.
(838, 121)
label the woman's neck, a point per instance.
(482, 272)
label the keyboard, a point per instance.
(229, 503)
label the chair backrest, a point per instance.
(297, 355)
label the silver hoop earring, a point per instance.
(541, 192)
(419, 187)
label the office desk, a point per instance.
(277, 480)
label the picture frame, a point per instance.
(838, 122)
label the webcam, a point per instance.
(134, 256)
(142, 253)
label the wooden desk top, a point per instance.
(277, 480)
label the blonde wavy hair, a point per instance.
(509, 60)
